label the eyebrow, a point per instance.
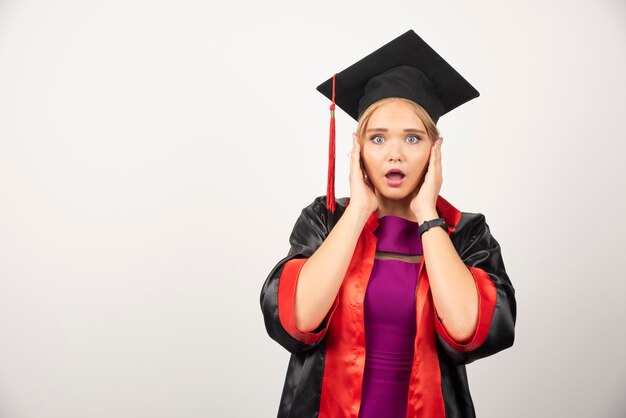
(406, 130)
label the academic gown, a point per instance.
(325, 371)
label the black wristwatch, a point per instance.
(433, 222)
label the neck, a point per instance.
(399, 208)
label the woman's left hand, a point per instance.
(424, 202)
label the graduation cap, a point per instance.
(406, 67)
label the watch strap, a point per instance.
(432, 223)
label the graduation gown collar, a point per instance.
(444, 208)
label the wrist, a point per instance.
(426, 215)
(436, 223)
(360, 214)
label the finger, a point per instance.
(438, 151)
(438, 165)
(433, 156)
(439, 148)
(354, 158)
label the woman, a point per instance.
(369, 282)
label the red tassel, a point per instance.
(330, 190)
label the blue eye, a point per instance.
(377, 136)
(417, 138)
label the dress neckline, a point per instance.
(399, 235)
(398, 217)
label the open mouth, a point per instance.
(395, 174)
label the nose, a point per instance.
(395, 152)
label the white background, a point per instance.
(154, 156)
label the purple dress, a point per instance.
(390, 324)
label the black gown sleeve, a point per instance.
(278, 291)
(495, 331)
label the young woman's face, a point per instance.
(395, 138)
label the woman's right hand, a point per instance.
(362, 196)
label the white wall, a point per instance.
(154, 156)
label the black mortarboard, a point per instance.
(406, 67)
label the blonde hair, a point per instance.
(431, 128)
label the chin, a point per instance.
(393, 193)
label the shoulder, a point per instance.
(471, 225)
(313, 225)
(316, 211)
(320, 201)
(471, 220)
